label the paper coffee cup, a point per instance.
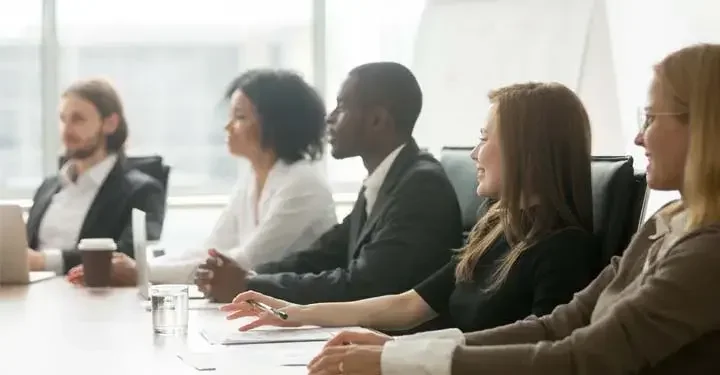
(97, 260)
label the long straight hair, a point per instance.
(545, 146)
(692, 77)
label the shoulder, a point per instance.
(704, 240)
(304, 175)
(49, 183)
(425, 169)
(426, 163)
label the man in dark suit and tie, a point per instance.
(404, 224)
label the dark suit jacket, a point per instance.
(409, 234)
(109, 215)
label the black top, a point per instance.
(546, 275)
(414, 222)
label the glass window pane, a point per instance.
(20, 127)
(361, 31)
(171, 61)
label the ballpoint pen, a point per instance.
(280, 314)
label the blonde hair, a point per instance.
(691, 76)
(544, 135)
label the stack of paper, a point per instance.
(223, 335)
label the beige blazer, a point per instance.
(663, 321)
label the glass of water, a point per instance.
(169, 309)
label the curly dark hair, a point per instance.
(291, 113)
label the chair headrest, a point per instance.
(460, 169)
(614, 189)
(618, 196)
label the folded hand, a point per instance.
(221, 278)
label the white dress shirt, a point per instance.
(427, 353)
(295, 208)
(374, 181)
(63, 220)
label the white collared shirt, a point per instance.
(670, 229)
(64, 217)
(295, 208)
(427, 353)
(374, 181)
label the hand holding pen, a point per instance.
(268, 311)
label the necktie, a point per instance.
(362, 206)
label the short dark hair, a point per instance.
(291, 113)
(106, 101)
(393, 87)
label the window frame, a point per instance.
(50, 74)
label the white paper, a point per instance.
(225, 336)
(279, 355)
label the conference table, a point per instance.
(53, 326)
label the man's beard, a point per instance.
(87, 151)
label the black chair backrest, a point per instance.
(614, 200)
(460, 169)
(615, 185)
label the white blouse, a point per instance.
(295, 207)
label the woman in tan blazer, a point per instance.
(656, 310)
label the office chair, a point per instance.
(460, 169)
(619, 196)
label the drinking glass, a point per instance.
(169, 309)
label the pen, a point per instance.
(280, 314)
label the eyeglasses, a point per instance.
(645, 117)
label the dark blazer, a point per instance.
(409, 234)
(109, 215)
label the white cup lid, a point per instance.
(97, 244)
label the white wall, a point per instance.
(603, 49)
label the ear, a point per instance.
(379, 118)
(110, 123)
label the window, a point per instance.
(20, 130)
(361, 31)
(171, 69)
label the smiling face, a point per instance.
(243, 128)
(665, 139)
(82, 129)
(488, 159)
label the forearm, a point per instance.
(390, 312)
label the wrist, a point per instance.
(303, 314)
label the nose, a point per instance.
(474, 153)
(640, 139)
